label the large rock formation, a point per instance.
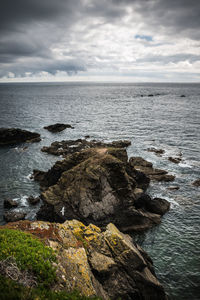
(98, 186)
(10, 136)
(71, 146)
(107, 264)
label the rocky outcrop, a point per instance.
(107, 264)
(10, 136)
(33, 200)
(157, 205)
(58, 127)
(71, 146)
(146, 167)
(98, 186)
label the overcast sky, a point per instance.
(107, 40)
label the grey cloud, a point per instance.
(165, 59)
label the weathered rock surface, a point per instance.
(58, 127)
(146, 167)
(98, 186)
(13, 216)
(10, 136)
(107, 264)
(71, 146)
(10, 203)
(196, 182)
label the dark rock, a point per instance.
(58, 127)
(196, 183)
(175, 160)
(13, 216)
(157, 205)
(150, 95)
(182, 96)
(9, 203)
(157, 151)
(146, 168)
(10, 136)
(95, 185)
(87, 136)
(71, 146)
(33, 200)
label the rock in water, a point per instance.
(58, 127)
(9, 203)
(107, 264)
(96, 185)
(10, 136)
(196, 183)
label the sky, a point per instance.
(100, 40)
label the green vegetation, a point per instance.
(30, 254)
(10, 290)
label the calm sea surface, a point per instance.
(110, 112)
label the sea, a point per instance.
(164, 116)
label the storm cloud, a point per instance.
(92, 37)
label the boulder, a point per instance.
(96, 185)
(13, 216)
(156, 151)
(10, 136)
(146, 167)
(9, 203)
(173, 188)
(71, 146)
(58, 127)
(102, 263)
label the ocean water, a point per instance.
(111, 112)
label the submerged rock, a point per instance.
(96, 185)
(146, 167)
(10, 136)
(107, 264)
(13, 216)
(9, 203)
(71, 146)
(196, 182)
(58, 127)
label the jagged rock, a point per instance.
(157, 151)
(96, 185)
(107, 264)
(10, 136)
(146, 167)
(71, 146)
(13, 216)
(175, 160)
(9, 203)
(33, 200)
(196, 183)
(58, 127)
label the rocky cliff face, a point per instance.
(98, 186)
(103, 263)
